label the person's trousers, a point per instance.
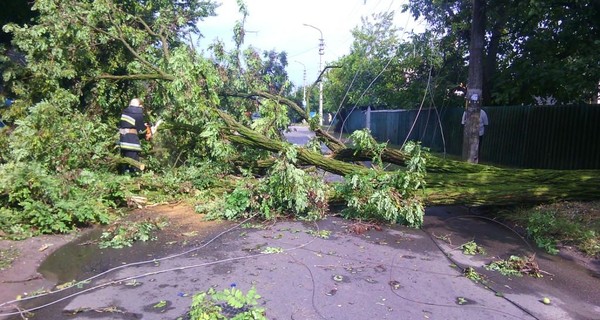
(125, 168)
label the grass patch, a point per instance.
(574, 224)
(7, 256)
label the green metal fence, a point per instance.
(553, 137)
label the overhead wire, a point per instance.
(342, 102)
(420, 108)
(449, 257)
(301, 246)
(367, 89)
(134, 277)
(439, 121)
(355, 75)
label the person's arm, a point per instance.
(484, 118)
(140, 124)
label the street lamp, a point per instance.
(321, 53)
(303, 84)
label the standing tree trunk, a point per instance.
(475, 84)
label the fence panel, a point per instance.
(354, 121)
(553, 137)
(504, 141)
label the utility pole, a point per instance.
(303, 85)
(321, 53)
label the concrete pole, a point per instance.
(303, 85)
(321, 53)
(304, 89)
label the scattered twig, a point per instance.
(35, 277)
(362, 227)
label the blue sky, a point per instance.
(279, 25)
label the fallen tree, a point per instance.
(99, 55)
(448, 182)
(455, 182)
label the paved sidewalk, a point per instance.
(327, 271)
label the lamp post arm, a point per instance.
(308, 25)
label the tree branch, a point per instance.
(332, 143)
(149, 76)
(251, 137)
(447, 181)
(160, 35)
(121, 38)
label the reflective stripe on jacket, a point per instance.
(130, 146)
(132, 118)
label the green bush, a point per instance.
(57, 173)
(33, 199)
(542, 228)
(4, 144)
(285, 190)
(61, 139)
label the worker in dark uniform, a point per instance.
(131, 127)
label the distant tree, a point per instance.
(532, 48)
(384, 71)
(274, 71)
(368, 67)
(554, 51)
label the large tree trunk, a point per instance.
(461, 183)
(448, 181)
(495, 186)
(474, 87)
(457, 182)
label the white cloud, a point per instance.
(279, 25)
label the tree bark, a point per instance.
(448, 182)
(245, 136)
(495, 186)
(116, 161)
(474, 88)
(452, 182)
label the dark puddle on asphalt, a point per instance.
(83, 257)
(70, 261)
